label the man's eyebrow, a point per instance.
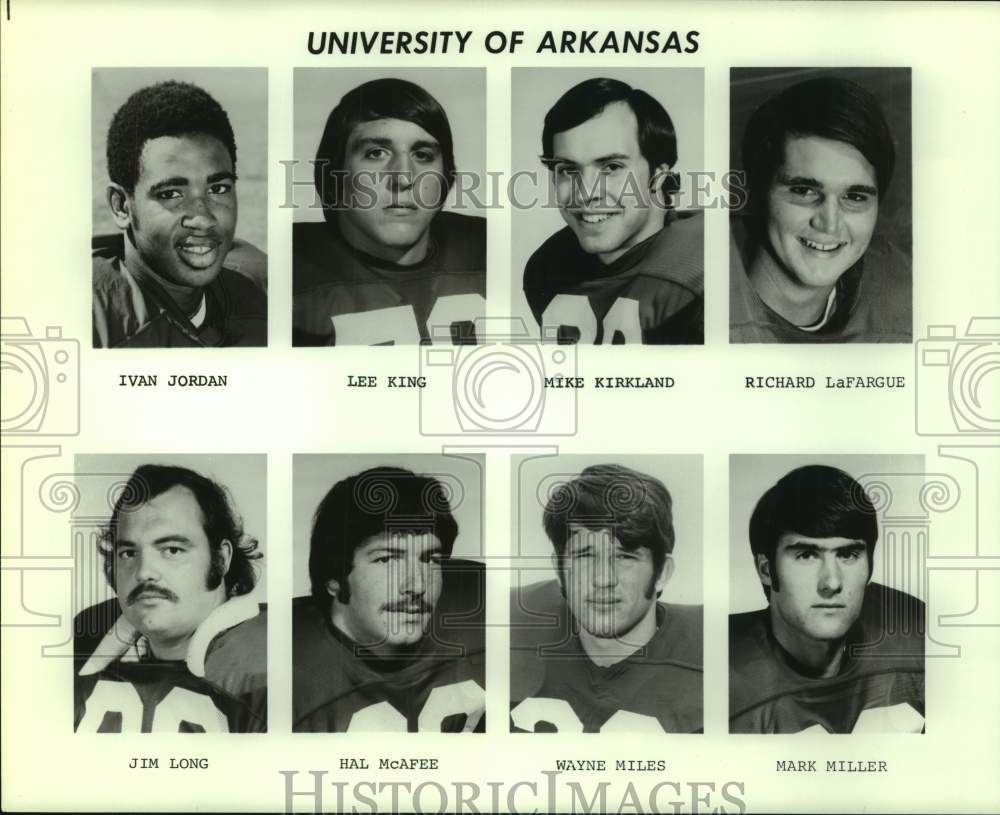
(865, 188)
(552, 160)
(383, 141)
(223, 175)
(173, 181)
(799, 181)
(172, 538)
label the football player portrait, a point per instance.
(174, 274)
(833, 651)
(389, 263)
(181, 648)
(391, 637)
(814, 257)
(598, 649)
(627, 267)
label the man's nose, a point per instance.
(413, 580)
(198, 214)
(827, 216)
(147, 568)
(831, 578)
(605, 572)
(401, 171)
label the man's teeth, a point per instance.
(594, 218)
(822, 247)
(198, 250)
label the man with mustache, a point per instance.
(628, 267)
(388, 266)
(392, 637)
(595, 650)
(188, 652)
(818, 157)
(832, 652)
(176, 276)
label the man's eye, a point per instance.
(858, 200)
(613, 167)
(376, 154)
(805, 555)
(173, 551)
(805, 193)
(222, 188)
(566, 171)
(168, 195)
(424, 156)
(851, 554)
(125, 554)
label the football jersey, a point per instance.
(879, 689)
(654, 293)
(135, 308)
(345, 297)
(221, 687)
(439, 687)
(556, 688)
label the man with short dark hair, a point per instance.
(831, 652)
(388, 266)
(819, 157)
(188, 651)
(628, 267)
(392, 637)
(595, 650)
(172, 278)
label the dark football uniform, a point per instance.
(345, 297)
(556, 688)
(880, 687)
(220, 688)
(134, 308)
(654, 293)
(439, 687)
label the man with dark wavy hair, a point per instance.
(176, 276)
(832, 652)
(187, 653)
(388, 266)
(392, 637)
(595, 650)
(628, 267)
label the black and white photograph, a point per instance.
(390, 246)
(821, 240)
(179, 244)
(826, 631)
(606, 614)
(605, 248)
(389, 575)
(170, 634)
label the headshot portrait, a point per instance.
(607, 248)
(173, 265)
(171, 632)
(821, 231)
(827, 634)
(606, 615)
(389, 248)
(388, 630)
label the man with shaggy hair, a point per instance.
(595, 650)
(187, 652)
(176, 276)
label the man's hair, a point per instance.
(165, 109)
(827, 107)
(378, 99)
(219, 520)
(582, 102)
(815, 501)
(636, 508)
(381, 500)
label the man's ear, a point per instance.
(763, 569)
(665, 573)
(120, 203)
(332, 587)
(226, 550)
(659, 175)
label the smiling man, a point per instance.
(392, 637)
(819, 157)
(188, 651)
(628, 267)
(595, 650)
(832, 652)
(388, 266)
(176, 276)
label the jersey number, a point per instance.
(118, 704)
(559, 714)
(398, 325)
(444, 701)
(574, 310)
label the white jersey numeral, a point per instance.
(179, 705)
(575, 311)
(447, 700)
(558, 713)
(398, 325)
